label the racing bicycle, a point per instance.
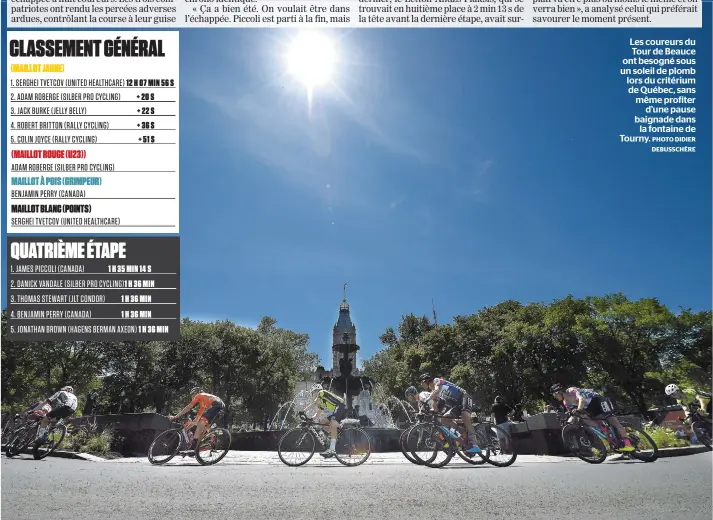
(211, 449)
(25, 434)
(592, 443)
(701, 427)
(430, 437)
(467, 457)
(298, 445)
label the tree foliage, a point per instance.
(630, 349)
(254, 371)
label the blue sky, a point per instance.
(471, 166)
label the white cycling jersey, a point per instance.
(62, 398)
(424, 397)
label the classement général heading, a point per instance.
(61, 48)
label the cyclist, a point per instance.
(330, 410)
(688, 397)
(60, 405)
(450, 394)
(209, 407)
(413, 395)
(583, 401)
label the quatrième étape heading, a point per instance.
(117, 48)
(61, 249)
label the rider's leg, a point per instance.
(333, 421)
(466, 407)
(333, 429)
(206, 420)
(44, 423)
(449, 422)
(200, 429)
(618, 427)
(49, 413)
(468, 422)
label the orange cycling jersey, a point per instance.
(204, 401)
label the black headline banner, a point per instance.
(93, 289)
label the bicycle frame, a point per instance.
(193, 425)
(605, 432)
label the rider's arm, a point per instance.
(582, 404)
(188, 408)
(201, 409)
(701, 402)
(311, 407)
(436, 388)
(510, 411)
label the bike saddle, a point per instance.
(704, 394)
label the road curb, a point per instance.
(681, 451)
(64, 455)
(663, 453)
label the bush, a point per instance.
(666, 437)
(88, 439)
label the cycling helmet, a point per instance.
(67, 389)
(316, 388)
(556, 388)
(411, 391)
(196, 390)
(671, 389)
(426, 377)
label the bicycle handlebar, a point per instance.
(306, 419)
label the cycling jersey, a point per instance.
(328, 401)
(692, 398)
(425, 397)
(448, 391)
(573, 394)
(63, 399)
(204, 401)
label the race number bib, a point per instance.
(606, 405)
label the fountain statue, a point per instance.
(365, 399)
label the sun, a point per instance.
(311, 59)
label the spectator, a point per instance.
(520, 414)
(91, 403)
(500, 411)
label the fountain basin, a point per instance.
(383, 440)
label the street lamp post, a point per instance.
(346, 372)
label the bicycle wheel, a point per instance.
(297, 442)
(213, 446)
(645, 448)
(21, 440)
(584, 444)
(428, 444)
(496, 445)
(55, 437)
(404, 447)
(471, 458)
(164, 447)
(702, 434)
(353, 446)
(8, 427)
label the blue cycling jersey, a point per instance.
(448, 391)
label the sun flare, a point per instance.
(311, 59)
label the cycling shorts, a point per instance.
(338, 414)
(210, 414)
(61, 412)
(459, 405)
(599, 407)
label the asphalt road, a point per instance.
(678, 487)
